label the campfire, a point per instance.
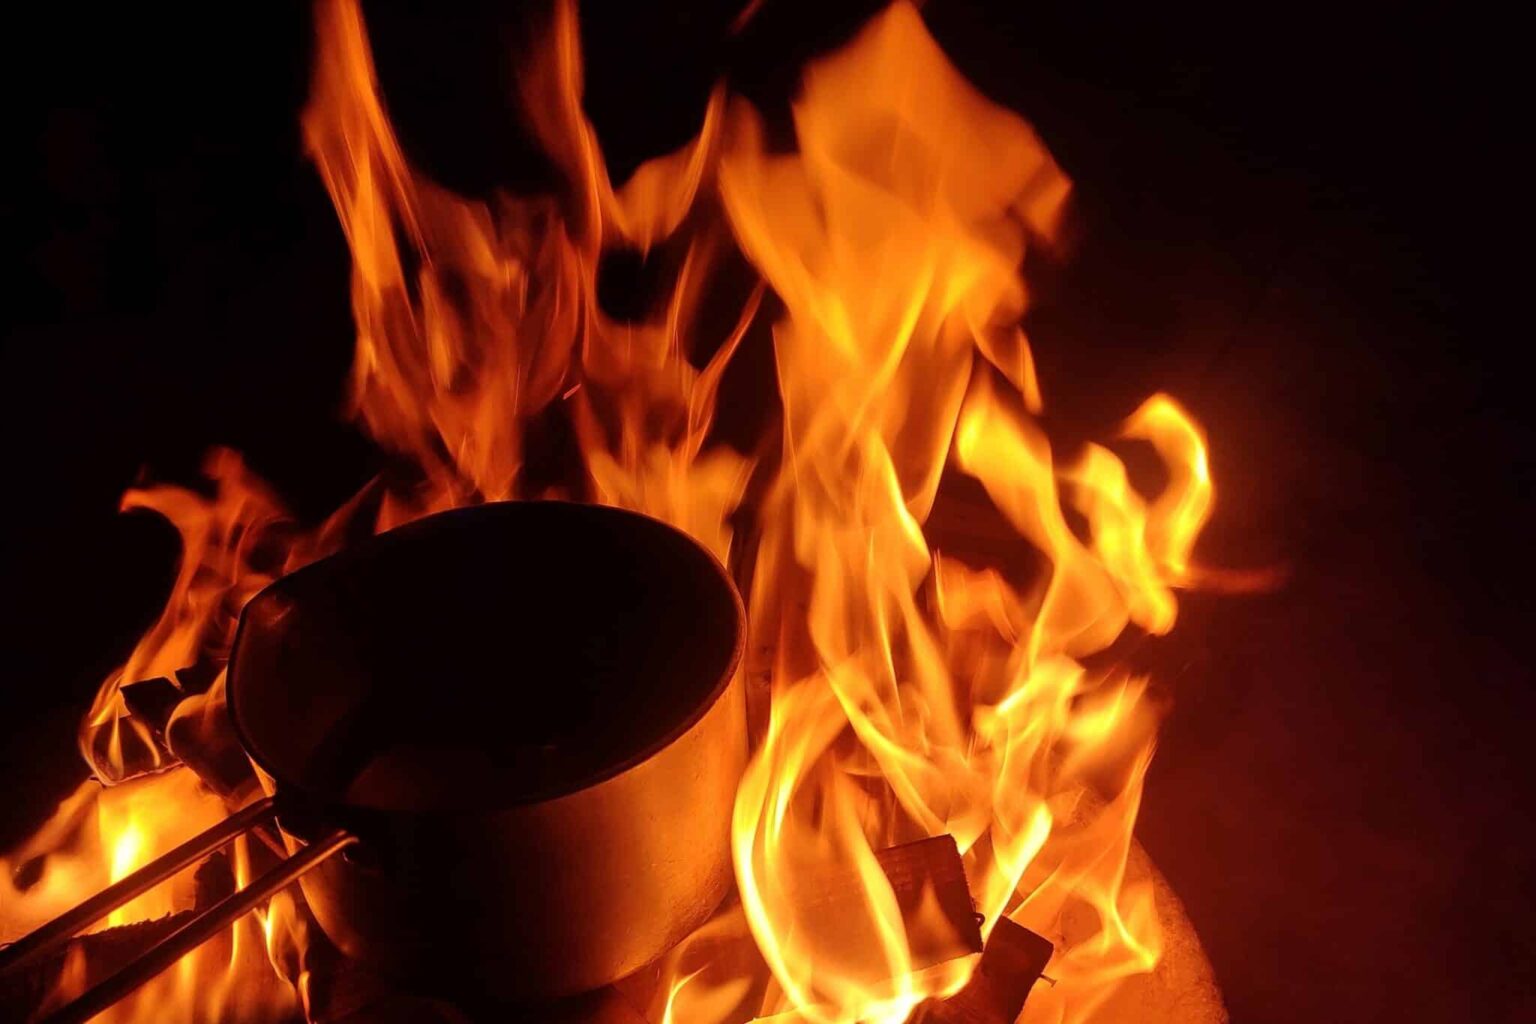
(944, 751)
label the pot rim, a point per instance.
(288, 787)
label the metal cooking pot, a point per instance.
(521, 725)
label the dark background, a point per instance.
(1304, 223)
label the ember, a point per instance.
(900, 692)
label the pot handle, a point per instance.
(204, 926)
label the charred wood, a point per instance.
(87, 959)
(1010, 965)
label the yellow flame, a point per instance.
(100, 835)
(912, 693)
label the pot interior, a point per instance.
(487, 656)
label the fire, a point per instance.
(910, 692)
(100, 834)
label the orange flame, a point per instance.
(97, 836)
(912, 693)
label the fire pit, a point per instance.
(924, 779)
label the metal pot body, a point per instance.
(587, 827)
(549, 898)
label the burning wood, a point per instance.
(1011, 963)
(200, 734)
(41, 987)
(927, 880)
(147, 740)
(84, 961)
(151, 702)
